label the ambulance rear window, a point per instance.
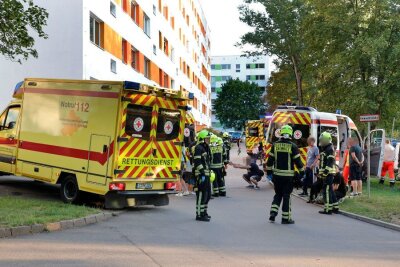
(253, 132)
(138, 121)
(168, 124)
(300, 134)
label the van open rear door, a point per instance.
(136, 140)
(168, 144)
(377, 143)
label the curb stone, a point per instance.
(67, 224)
(5, 232)
(376, 222)
(52, 227)
(56, 226)
(37, 228)
(20, 230)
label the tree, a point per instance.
(16, 18)
(349, 53)
(277, 31)
(238, 102)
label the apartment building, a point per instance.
(159, 42)
(223, 68)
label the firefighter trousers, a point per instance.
(330, 201)
(219, 182)
(203, 196)
(283, 186)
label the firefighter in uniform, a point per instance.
(226, 151)
(227, 144)
(202, 171)
(283, 157)
(327, 172)
(217, 164)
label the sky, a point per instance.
(226, 28)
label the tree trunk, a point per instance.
(299, 82)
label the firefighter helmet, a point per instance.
(225, 135)
(203, 134)
(325, 139)
(213, 138)
(286, 129)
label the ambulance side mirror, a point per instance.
(11, 125)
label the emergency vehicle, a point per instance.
(254, 134)
(121, 140)
(307, 121)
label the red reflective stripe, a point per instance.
(68, 152)
(330, 122)
(71, 92)
(8, 142)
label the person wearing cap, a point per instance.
(283, 158)
(327, 172)
(202, 172)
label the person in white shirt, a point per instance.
(388, 163)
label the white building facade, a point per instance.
(159, 42)
(223, 68)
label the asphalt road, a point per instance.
(238, 235)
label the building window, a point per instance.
(147, 68)
(255, 66)
(154, 49)
(146, 20)
(95, 31)
(226, 66)
(213, 66)
(124, 52)
(212, 89)
(135, 57)
(166, 80)
(113, 66)
(166, 46)
(255, 77)
(172, 56)
(172, 84)
(134, 12)
(113, 9)
(154, 10)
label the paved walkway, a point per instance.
(238, 235)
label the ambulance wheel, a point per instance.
(70, 190)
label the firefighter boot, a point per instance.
(272, 216)
(325, 212)
(382, 181)
(203, 218)
(287, 221)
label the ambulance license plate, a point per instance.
(144, 186)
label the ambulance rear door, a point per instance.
(136, 139)
(377, 145)
(170, 125)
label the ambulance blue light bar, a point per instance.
(131, 86)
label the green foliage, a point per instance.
(17, 211)
(349, 51)
(17, 17)
(277, 31)
(238, 102)
(382, 205)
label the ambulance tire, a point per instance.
(69, 190)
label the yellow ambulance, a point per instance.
(121, 140)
